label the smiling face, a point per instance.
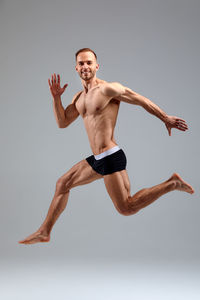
(86, 65)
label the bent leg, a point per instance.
(118, 187)
(79, 174)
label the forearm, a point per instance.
(59, 111)
(147, 104)
(153, 109)
(122, 93)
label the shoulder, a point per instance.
(112, 89)
(76, 97)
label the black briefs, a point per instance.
(109, 164)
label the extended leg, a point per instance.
(118, 187)
(80, 174)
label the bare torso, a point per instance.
(99, 114)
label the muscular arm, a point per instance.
(121, 93)
(125, 94)
(64, 117)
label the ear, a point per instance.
(76, 69)
(97, 67)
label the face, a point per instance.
(86, 65)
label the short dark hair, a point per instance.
(85, 50)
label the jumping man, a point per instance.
(98, 104)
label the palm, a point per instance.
(54, 85)
(56, 90)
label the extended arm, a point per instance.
(118, 91)
(64, 117)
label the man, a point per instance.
(98, 104)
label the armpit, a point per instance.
(115, 101)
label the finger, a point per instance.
(54, 77)
(64, 87)
(179, 119)
(169, 130)
(181, 125)
(58, 77)
(49, 82)
(182, 129)
(181, 122)
(184, 126)
(51, 79)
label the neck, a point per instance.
(87, 85)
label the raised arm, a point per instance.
(122, 93)
(64, 117)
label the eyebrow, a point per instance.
(81, 61)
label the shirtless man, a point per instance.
(98, 104)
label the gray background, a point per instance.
(94, 253)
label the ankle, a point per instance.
(172, 183)
(44, 231)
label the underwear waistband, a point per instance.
(107, 152)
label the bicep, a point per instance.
(129, 96)
(71, 112)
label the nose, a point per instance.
(85, 66)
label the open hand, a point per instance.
(175, 122)
(54, 85)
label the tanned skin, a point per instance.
(98, 105)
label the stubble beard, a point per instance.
(89, 76)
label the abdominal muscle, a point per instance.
(100, 133)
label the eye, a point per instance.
(80, 63)
(89, 62)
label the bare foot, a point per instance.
(182, 185)
(37, 237)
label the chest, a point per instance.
(92, 102)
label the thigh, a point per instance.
(80, 174)
(118, 188)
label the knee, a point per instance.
(128, 212)
(123, 210)
(63, 185)
(126, 209)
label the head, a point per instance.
(86, 64)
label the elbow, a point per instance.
(62, 125)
